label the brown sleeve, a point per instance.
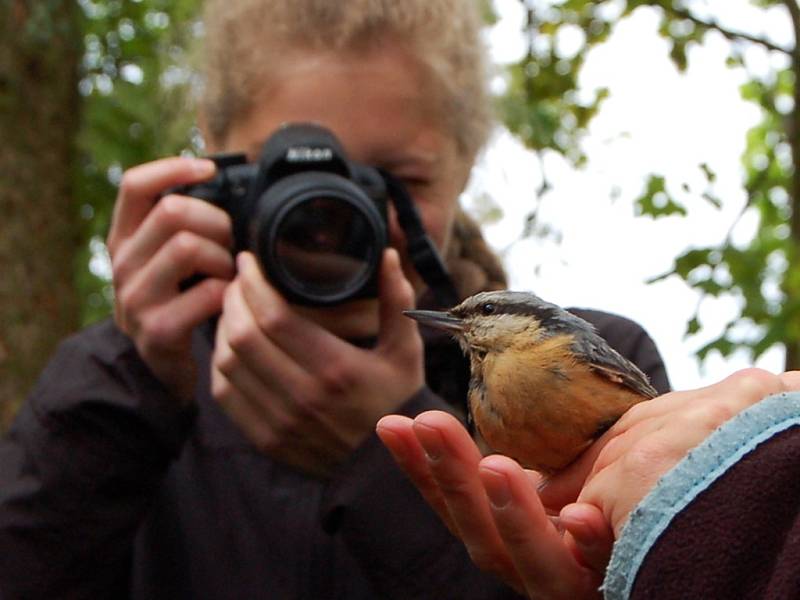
(724, 522)
(740, 538)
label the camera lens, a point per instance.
(320, 238)
(325, 245)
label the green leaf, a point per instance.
(711, 176)
(656, 202)
(693, 326)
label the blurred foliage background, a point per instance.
(90, 88)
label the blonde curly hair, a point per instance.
(246, 38)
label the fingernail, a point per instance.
(497, 488)
(393, 442)
(431, 441)
(391, 254)
(204, 167)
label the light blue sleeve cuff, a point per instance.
(696, 472)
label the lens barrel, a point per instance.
(320, 238)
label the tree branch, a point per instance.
(794, 13)
(731, 34)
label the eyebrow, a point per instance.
(426, 159)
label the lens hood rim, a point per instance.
(285, 196)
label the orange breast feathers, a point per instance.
(542, 405)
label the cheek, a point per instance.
(439, 223)
(437, 220)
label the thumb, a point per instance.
(591, 533)
(398, 333)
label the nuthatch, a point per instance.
(544, 384)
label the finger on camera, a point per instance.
(397, 332)
(172, 215)
(239, 331)
(142, 185)
(292, 333)
(183, 256)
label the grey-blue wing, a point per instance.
(611, 364)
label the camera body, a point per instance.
(315, 220)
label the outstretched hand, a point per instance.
(506, 516)
(493, 506)
(652, 437)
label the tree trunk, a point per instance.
(40, 49)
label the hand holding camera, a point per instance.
(154, 245)
(310, 229)
(317, 221)
(300, 393)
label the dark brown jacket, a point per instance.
(107, 490)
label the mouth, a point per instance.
(437, 320)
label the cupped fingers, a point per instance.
(170, 324)
(269, 432)
(397, 434)
(275, 427)
(289, 331)
(453, 460)
(591, 534)
(250, 349)
(543, 561)
(618, 487)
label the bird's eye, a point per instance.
(488, 308)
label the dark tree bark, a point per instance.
(40, 50)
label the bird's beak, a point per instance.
(437, 319)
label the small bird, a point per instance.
(544, 385)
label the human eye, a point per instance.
(413, 182)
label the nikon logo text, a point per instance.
(309, 154)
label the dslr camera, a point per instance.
(315, 220)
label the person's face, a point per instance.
(378, 107)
